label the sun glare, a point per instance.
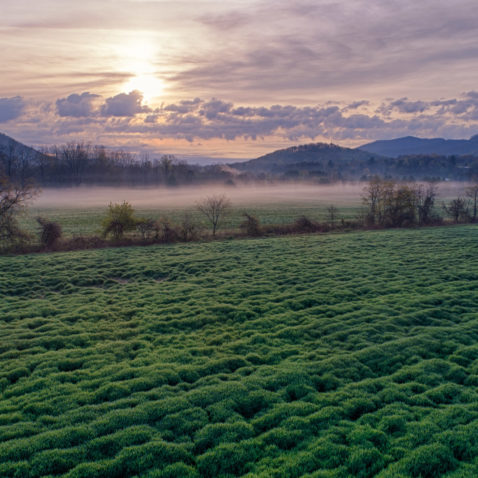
(138, 59)
(150, 86)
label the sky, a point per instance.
(237, 78)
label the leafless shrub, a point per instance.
(214, 208)
(251, 225)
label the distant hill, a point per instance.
(10, 146)
(329, 162)
(308, 157)
(410, 145)
(18, 161)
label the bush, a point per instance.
(146, 228)
(165, 231)
(50, 232)
(119, 219)
(251, 225)
(188, 229)
(304, 224)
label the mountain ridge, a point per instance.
(412, 145)
(311, 153)
(10, 146)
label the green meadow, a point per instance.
(337, 355)
(80, 211)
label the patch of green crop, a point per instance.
(308, 356)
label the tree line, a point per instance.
(74, 164)
(391, 203)
(79, 163)
(385, 204)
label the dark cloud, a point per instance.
(405, 106)
(11, 108)
(76, 105)
(357, 104)
(213, 108)
(125, 104)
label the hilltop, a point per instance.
(12, 147)
(411, 145)
(312, 157)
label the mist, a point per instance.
(306, 194)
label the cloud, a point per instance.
(125, 104)
(357, 104)
(213, 108)
(225, 22)
(199, 120)
(405, 106)
(311, 47)
(76, 106)
(11, 108)
(245, 51)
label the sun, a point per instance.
(138, 58)
(148, 84)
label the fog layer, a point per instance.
(186, 197)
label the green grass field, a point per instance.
(310, 356)
(79, 222)
(80, 211)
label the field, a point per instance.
(80, 210)
(310, 356)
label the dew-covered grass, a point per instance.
(309, 356)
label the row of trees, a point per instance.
(82, 163)
(392, 204)
(73, 164)
(386, 204)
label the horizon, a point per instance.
(207, 160)
(235, 81)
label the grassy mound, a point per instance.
(330, 356)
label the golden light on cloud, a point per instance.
(138, 59)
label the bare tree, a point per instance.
(457, 209)
(76, 157)
(13, 200)
(146, 227)
(393, 204)
(425, 198)
(371, 199)
(188, 230)
(472, 192)
(332, 214)
(214, 208)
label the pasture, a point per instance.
(310, 356)
(79, 211)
